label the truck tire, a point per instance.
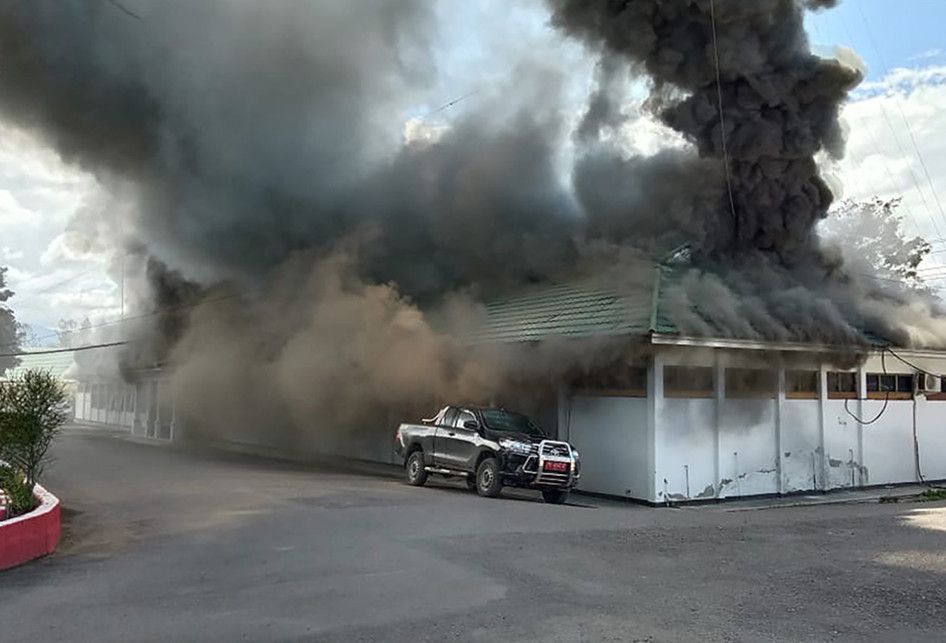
(414, 472)
(489, 480)
(554, 496)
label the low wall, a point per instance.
(31, 535)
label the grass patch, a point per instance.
(935, 493)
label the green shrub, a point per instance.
(32, 410)
(19, 493)
(934, 493)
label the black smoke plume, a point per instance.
(268, 164)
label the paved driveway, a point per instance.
(165, 545)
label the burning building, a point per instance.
(312, 266)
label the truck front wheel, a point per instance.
(489, 480)
(414, 471)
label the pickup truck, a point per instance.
(488, 448)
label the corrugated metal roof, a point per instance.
(592, 307)
(609, 305)
(60, 365)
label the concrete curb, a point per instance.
(31, 535)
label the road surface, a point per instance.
(174, 546)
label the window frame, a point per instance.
(770, 393)
(589, 389)
(696, 393)
(447, 420)
(458, 421)
(840, 395)
(802, 394)
(894, 391)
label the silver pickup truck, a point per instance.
(488, 448)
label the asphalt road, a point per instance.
(166, 545)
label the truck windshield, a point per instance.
(513, 422)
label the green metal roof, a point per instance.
(615, 304)
(593, 307)
(59, 364)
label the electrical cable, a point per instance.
(722, 122)
(883, 409)
(906, 122)
(64, 350)
(160, 311)
(866, 127)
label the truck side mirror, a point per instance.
(472, 425)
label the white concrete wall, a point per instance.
(118, 403)
(800, 445)
(888, 443)
(610, 433)
(931, 438)
(747, 448)
(686, 449)
(743, 447)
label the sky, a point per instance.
(896, 123)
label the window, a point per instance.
(620, 381)
(450, 416)
(801, 385)
(688, 381)
(941, 395)
(464, 416)
(750, 382)
(500, 420)
(842, 385)
(889, 385)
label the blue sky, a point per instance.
(884, 33)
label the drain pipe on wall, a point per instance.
(916, 447)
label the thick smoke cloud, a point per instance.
(780, 104)
(264, 167)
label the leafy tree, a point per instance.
(871, 230)
(10, 333)
(32, 410)
(72, 332)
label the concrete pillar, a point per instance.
(779, 400)
(564, 413)
(861, 396)
(655, 395)
(819, 465)
(719, 394)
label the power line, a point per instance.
(124, 9)
(451, 103)
(906, 122)
(903, 154)
(52, 351)
(54, 286)
(160, 311)
(722, 122)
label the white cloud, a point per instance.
(72, 246)
(929, 53)
(12, 213)
(901, 119)
(39, 195)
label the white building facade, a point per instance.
(717, 419)
(144, 405)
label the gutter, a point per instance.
(801, 347)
